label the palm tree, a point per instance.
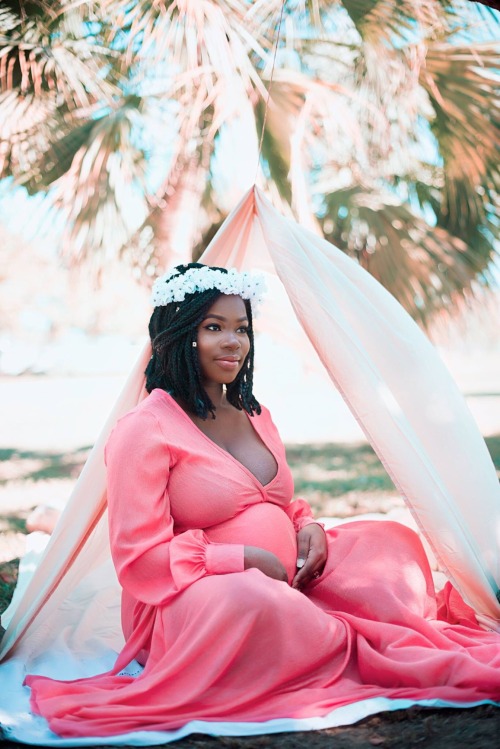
(380, 129)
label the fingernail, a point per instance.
(300, 563)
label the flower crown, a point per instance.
(173, 286)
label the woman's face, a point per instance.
(223, 342)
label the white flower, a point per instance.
(173, 288)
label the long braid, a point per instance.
(174, 365)
(239, 393)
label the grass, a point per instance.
(29, 465)
(337, 469)
(493, 445)
(345, 480)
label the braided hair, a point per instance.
(174, 365)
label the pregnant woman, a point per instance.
(236, 603)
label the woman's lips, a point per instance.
(228, 364)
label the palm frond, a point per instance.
(9, 19)
(102, 191)
(462, 84)
(34, 61)
(57, 158)
(44, 76)
(386, 22)
(206, 51)
(26, 125)
(425, 267)
(212, 35)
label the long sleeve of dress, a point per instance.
(300, 514)
(152, 563)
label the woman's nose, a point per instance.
(232, 341)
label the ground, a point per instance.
(340, 480)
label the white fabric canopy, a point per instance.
(395, 385)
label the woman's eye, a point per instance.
(213, 326)
(243, 329)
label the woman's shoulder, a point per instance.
(156, 404)
(155, 410)
(265, 420)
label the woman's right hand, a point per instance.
(266, 562)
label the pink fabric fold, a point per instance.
(301, 515)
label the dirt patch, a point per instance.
(416, 728)
(476, 728)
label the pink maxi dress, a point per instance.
(223, 644)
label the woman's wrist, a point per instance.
(221, 559)
(310, 521)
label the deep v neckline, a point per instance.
(226, 452)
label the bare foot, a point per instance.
(42, 518)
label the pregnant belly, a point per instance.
(264, 525)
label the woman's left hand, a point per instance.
(312, 554)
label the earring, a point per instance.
(194, 344)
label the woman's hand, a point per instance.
(266, 562)
(312, 554)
